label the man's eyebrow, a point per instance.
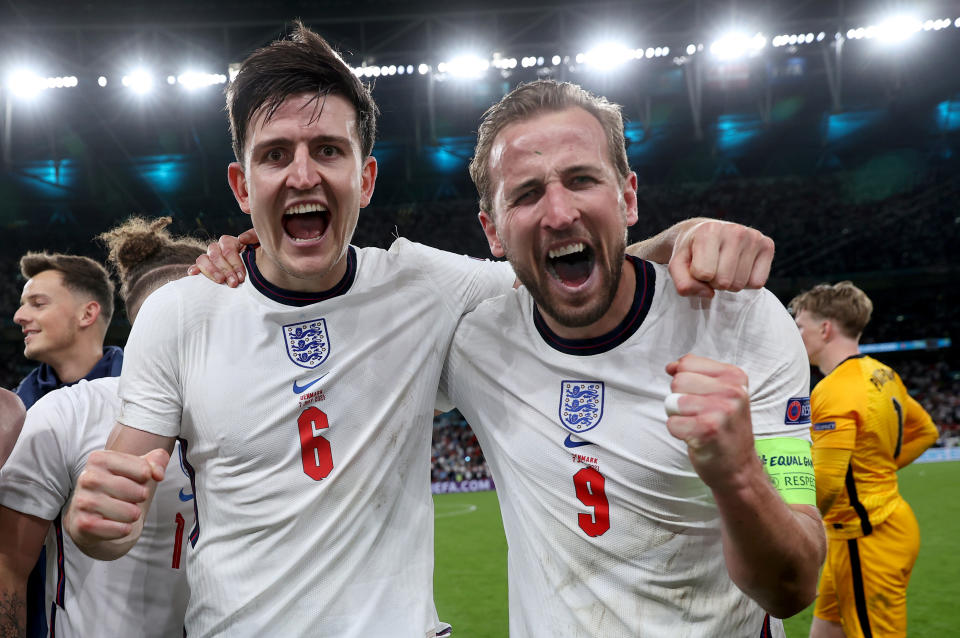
(33, 296)
(285, 141)
(522, 186)
(581, 168)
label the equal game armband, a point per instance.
(789, 465)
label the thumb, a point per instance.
(680, 270)
(249, 237)
(158, 460)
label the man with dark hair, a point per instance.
(303, 398)
(143, 593)
(65, 310)
(865, 428)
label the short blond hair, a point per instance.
(842, 302)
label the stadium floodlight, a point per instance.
(467, 66)
(25, 84)
(555, 60)
(608, 56)
(738, 45)
(192, 80)
(138, 81)
(423, 69)
(898, 28)
(102, 80)
(691, 49)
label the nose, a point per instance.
(20, 316)
(560, 210)
(302, 172)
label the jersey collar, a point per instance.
(294, 297)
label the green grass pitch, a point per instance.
(470, 582)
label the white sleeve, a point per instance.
(771, 352)
(37, 479)
(462, 282)
(150, 382)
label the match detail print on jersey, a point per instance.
(789, 464)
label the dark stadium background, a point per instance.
(849, 160)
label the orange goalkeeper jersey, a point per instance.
(863, 406)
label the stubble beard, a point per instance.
(594, 308)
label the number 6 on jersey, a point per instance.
(314, 449)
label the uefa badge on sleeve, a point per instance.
(798, 411)
(581, 404)
(307, 342)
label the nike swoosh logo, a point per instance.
(185, 497)
(568, 442)
(297, 389)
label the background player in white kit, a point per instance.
(303, 398)
(619, 521)
(145, 592)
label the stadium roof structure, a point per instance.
(779, 79)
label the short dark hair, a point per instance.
(304, 63)
(531, 99)
(79, 274)
(146, 256)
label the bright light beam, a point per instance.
(139, 81)
(898, 28)
(608, 55)
(734, 46)
(25, 84)
(467, 66)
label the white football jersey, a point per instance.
(143, 593)
(306, 422)
(610, 531)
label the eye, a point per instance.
(274, 155)
(328, 151)
(582, 180)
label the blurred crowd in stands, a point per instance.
(456, 454)
(895, 236)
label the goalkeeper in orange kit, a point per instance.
(865, 426)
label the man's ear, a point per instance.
(630, 198)
(238, 184)
(827, 330)
(368, 178)
(490, 230)
(88, 314)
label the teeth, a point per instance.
(300, 209)
(566, 250)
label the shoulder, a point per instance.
(80, 396)
(844, 385)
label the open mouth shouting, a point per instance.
(571, 264)
(304, 223)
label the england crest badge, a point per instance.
(307, 343)
(581, 404)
